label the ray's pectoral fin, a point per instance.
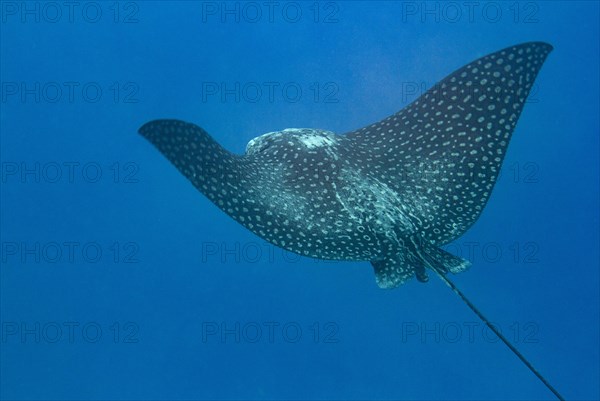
(394, 270)
(213, 170)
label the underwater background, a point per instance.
(120, 281)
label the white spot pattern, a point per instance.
(391, 192)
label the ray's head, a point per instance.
(292, 142)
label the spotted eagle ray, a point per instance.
(391, 193)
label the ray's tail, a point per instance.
(485, 320)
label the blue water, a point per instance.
(120, 281)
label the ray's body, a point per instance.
(390, 193)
